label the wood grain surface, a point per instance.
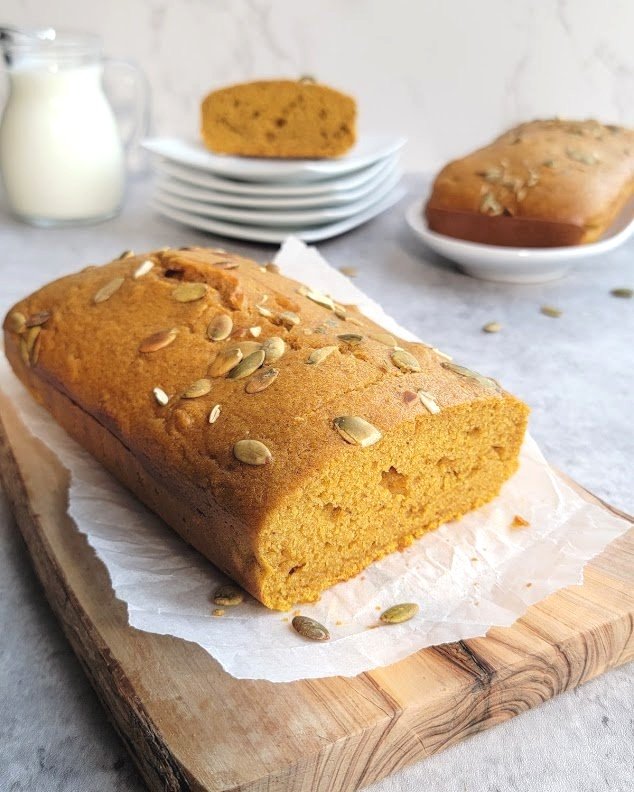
(190, 726)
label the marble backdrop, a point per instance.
(449, 75)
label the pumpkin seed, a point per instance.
(214, 414)
(273, 349)
(106, 292)
(549, 163)
(357, 431)
(490, 205)
(262, 380)
(247, 365)
(625, 293)
(320, 298)
(143, 269)
(220, 327)
(225, 361)
(427, 400)
(384, 338)
(486, 382)
(582, 156)
(404, 360)
(199, 387)
(550, 310)
(39, 318)
(217, 612)
(349, 272)
(492, 327)
(340, 312)
(24, 352)
(125, 255)
(491, 175)
(271, 267)
(189, 292)
(252, 452)
(158, 340)
(16, 322)
(255, 331)
(318, 356)
(289, 319)
(31, 337)
(264, 312)
(310, 629)
(35, 349)
(399, 613)
(350, 338)
(228, 595)
(161, 397)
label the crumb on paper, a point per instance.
(529, 584)
(285, 619)
(218, 612)
(350, 272)
(474, 559)
(377, 607)
(519, 522)
(338, 623)
(297, 613)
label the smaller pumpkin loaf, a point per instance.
(290, 439)
(542, 184)
(279, 118)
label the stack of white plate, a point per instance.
(266, 200)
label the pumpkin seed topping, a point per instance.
(106, 292)
(158, 340)
(550, 310)
(384, 338)
(252, 452)
(225, 361)
(220, 327)
(255, 331)
(399, 613)
(35, 348)
(272, 267)
(320, 298)
(463, 371)
(189, 292)
(427, 400)
(549, 163)
(248, 347)
(582, 156)
(143, 269)
(199, 387)
(404, 360)
(491, 175)
(264, 312)
(228, 595)
(340, 312)
(125, 255)
(215, 413)
(289, 319)
(490, 205)
(318, 356)
(247, 365)
(261, 380)
(161, 397)
(351, 338)
(24, 352)
(492, 327)
(626, 294)
(357, 431)
(39, 318)
(273, 349)
(310, 629)
(16, 322)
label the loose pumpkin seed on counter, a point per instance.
(310, 629)
(492, 327)
(550, 310)
(356, 430)
(228, 595)
(252, 452)
(398, 614)
(622, 292)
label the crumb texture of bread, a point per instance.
(95, 346)
(544, 183)
(279, 118)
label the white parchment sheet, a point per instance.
(466, 576)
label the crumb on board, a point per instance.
(519, 522)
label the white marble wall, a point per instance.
(447, 74)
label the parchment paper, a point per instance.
(466, 576)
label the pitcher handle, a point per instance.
(141, 125)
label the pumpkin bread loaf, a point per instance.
(279, 118)
(288, 438)
(542, 184)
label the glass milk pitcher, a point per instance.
(62, 158)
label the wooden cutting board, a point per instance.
(190, 726)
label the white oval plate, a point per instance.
(278, 217)
(277, 235)
(325, 187)
(512, 264)
(336, 198)
(369, 149)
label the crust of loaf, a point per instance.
(279, 118)
(323, 509)
(542, 184)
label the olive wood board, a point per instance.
(190, 726)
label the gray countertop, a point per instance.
(576, 372)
